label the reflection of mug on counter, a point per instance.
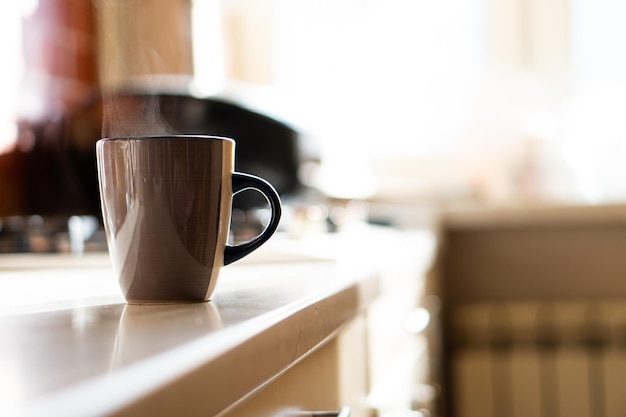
(151, 329)
(166, 203)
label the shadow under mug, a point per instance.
(166, 205)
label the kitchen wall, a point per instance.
(496, 101)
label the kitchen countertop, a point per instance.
(72, 347)
(523, 215)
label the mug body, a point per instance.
(166, 205)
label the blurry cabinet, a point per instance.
(399, 321)
(534, 311)
(330, 378)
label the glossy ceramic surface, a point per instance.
(166, 203)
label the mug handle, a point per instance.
(243, 182)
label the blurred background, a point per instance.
(407, 101)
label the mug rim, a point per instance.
(164, 137)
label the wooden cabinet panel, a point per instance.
(332, 376)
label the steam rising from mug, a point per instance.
(143, 46)
(132, 115)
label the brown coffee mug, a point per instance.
(166, 205)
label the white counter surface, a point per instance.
(70, 346)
